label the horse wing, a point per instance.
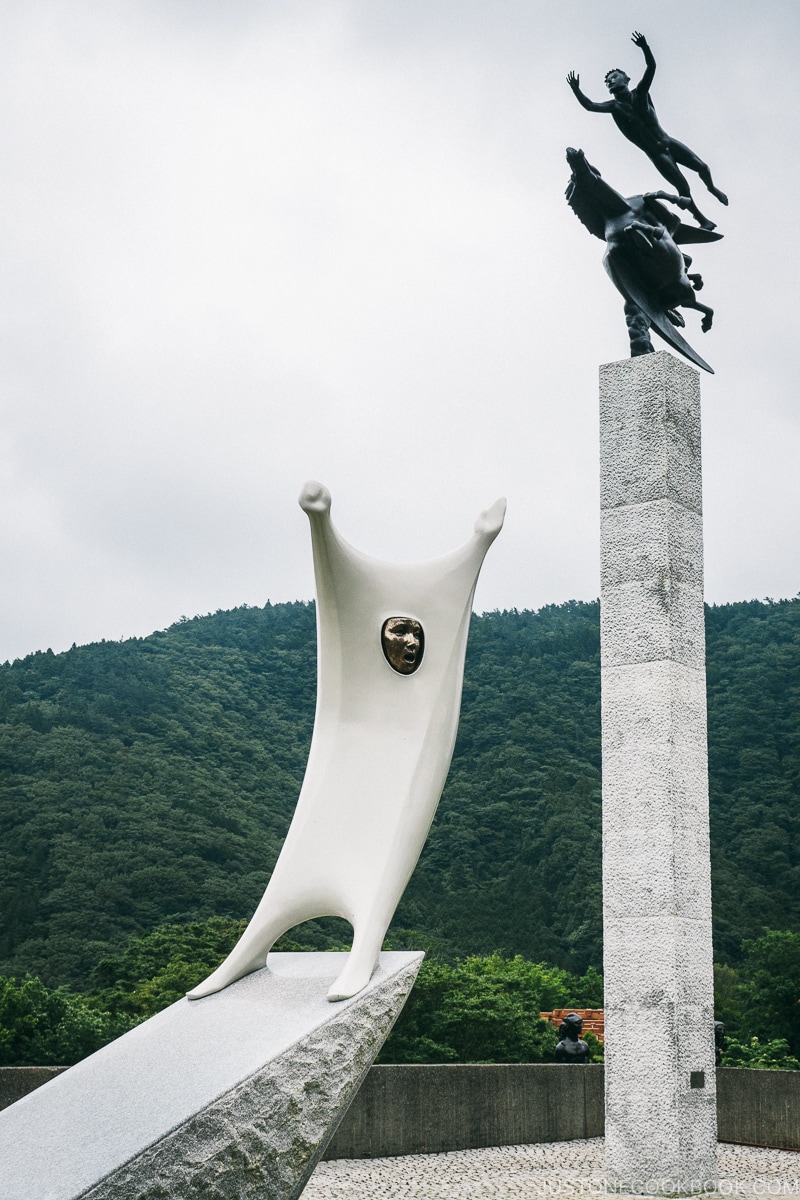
(594, 202)
(686, 235)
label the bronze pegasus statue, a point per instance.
(643, 256)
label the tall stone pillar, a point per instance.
(659, 1040)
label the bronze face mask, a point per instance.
(403, 644)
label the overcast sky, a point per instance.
(249, 242)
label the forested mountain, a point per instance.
(153, 780)
(754, 769)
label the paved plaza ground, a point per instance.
(549, 1169)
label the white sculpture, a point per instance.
(391, 646)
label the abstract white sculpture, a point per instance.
(391, 646)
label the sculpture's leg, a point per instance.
(708, 313)
(705, 175)
(702, 220)
(667, 163)
(368, 937)
(250, 952)
(688, 158)
(638, 330)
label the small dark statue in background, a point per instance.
(719, 1042)
(642, 236)
(572, 1048)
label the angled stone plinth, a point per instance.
(232, 1096)
(660, 1129)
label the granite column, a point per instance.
(660, 1084)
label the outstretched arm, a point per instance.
(574, 82)
(640, 40)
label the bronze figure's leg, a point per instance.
(668, 167)
(687, 158)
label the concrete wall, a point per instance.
(16, 1082)
(427, 1109)
(758, 1108)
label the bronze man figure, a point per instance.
(635, 117)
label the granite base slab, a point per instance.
(235, 1095)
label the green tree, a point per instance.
(158, 968)
(727, 997)
(152, 781)
(596, 1048)
(757, 1055)
(484, 1009)
(40, 1026)
(771, 973)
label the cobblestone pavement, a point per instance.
(551, 1169)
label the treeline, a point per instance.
(484, 1008)
(151, 782)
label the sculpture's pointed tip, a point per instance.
(491, 520)
(314, 497)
